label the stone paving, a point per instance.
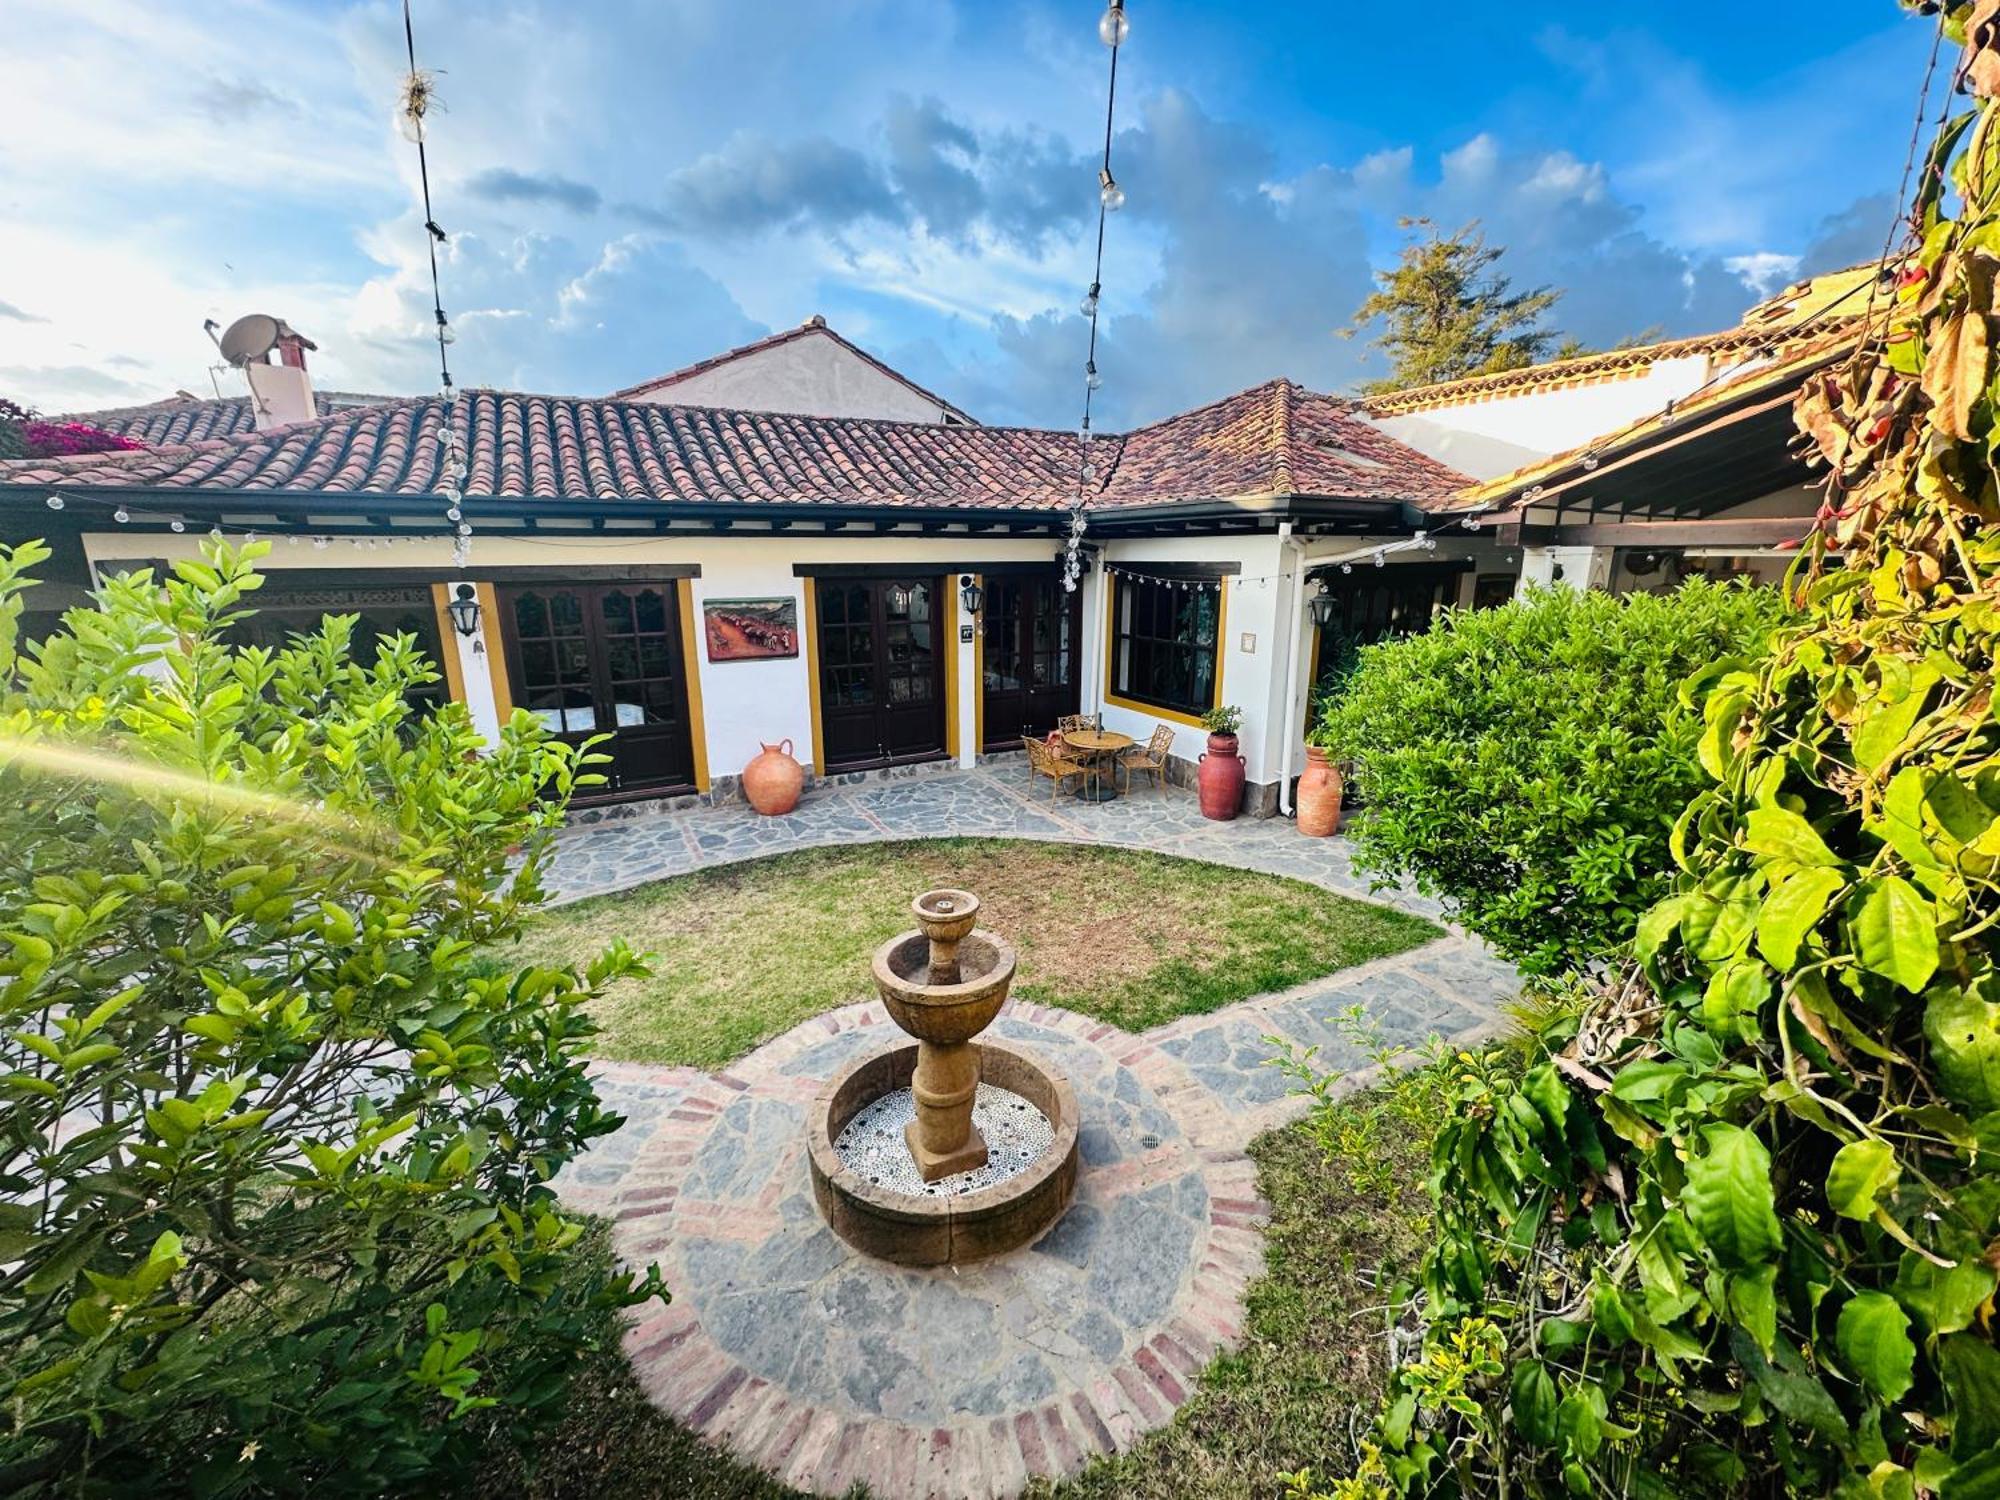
(825, 1367)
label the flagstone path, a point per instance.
(825, 1367)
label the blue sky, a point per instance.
(633, 185)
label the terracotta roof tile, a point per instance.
(1274, 439)
(192, 419)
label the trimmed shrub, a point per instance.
(1524, 764)
(275, 1211)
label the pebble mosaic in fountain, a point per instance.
(826, 1367)
(1016, 1133)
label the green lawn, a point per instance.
(746, 952)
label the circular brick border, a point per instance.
(825, 1445)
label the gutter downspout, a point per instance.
(1296, 550)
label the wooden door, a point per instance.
(1033, 657)
(606, 660)
(881, 670)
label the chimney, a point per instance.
(282, 394)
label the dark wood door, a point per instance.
(606, 660)
(881, 670)
(1033, 657)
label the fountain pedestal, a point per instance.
(943, 984)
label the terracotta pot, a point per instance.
(1221, 779)
(1320, 788)
(773, 780)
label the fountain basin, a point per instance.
(944, 1013)
(922, 1230)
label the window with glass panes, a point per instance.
(1166, 641)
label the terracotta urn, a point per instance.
(1221, 779)
(773, 780)
(1320, 788)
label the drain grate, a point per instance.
(872, 1145)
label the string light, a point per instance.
(1112, 29)
(55, 502)
(418, 99)
(121, 515)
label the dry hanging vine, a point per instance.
(1737, 1228)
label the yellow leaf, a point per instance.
(1955, 373)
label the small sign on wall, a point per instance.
(750, 629)
(1247, 643)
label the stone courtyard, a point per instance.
(825, 1367)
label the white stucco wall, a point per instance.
(813, 375)
(1545, 421)
(744, 704)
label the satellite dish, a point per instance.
(249, 339)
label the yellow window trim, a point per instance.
(809, 627)
(1173, 715)
(978, 676)
(496, 662)
(691, 659)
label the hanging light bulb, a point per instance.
(320, 543)
(1472, 523)
(454, 514)
(1091, 378)
(1591, 461)
(1347, 567)
(463, 529)
(1088, 307)
(121, 515)
(1381, 560)
(55, 502)
(177, 526)
(1112, 27)
(1109, 193)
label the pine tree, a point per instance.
(1448, 314)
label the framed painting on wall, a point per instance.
(750, 629)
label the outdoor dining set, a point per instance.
(1083, 752)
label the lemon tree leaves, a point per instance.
(1861, 1173)
(1964, 1033)
(1792, 910)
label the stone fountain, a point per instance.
(941, 1189)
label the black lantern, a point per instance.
(1322, 605)
(970, 594)
(464, 610)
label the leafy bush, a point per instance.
(1524, 764)
(1740, 1228)
(274, 1158)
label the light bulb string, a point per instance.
(1111, 31)
(432, 233)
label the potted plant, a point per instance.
(1221, 767)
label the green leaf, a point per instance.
(1861, 1173)
(1534, 1403)
(1946, 1298)
(1753, 1302)
(1729, 1199)
(1879, 736)
(1970, 1367)
(1792, 910)
(1873, 1336)
(1964, 1035)
(1895, 931)
(1735, 994)
(1780, 833)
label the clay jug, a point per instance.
(1320, 787)
(1221, 779)
(772, 781)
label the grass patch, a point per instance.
(1314, 1362)
(746, 952)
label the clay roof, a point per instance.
(187, 418)
(1275, 439)
(1804, 311)
(813, 325)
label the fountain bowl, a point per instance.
(914, 1230)
(944, 1014)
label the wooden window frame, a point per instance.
(1117, 694)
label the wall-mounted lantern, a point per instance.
(1322, 605)
(970, 594)
(464, 610)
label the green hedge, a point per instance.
(1524, 764)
